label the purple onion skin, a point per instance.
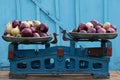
(27, 32)
(16, 23)
(114, 27)
(83, 31)
(111, 30)
(33, 29)
(42, 34)
(91, 30)
(101, 30)
(5, 33)
(43, 28)
(100, 24)
(82, 26)
(23, 25)
(97, 27)
(36, 35)
(94, 22)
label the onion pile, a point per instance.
(94, 26)
(26, 28)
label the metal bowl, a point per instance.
(78, 35)
(26, 39)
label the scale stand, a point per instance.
(59, 60)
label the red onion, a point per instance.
(26, 32)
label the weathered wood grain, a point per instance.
(114, 75)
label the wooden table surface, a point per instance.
(114, 75)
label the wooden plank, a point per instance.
(38, 17)
(38, 12)
(77, 11)
(18, 9)
(49, 15)
(57, 13)
(105, 11)
(114, 75)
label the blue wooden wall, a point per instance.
(68, 12)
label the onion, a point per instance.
(42, 34)
(26, 32)
(15, 31)
(100, 24)
(89, 25)
(16, 23)
(18, 35)
(101, 30)
(23, 25)
(33, 29)
(83, 31)
(5, 33)
(36, 35)
(36, 23)
(97, 27)
(26, 28)
(114, 27)
(94, 22)
(110, 30)
(8, 35)
(106, 25)
(91, 30)
(30, 23)
(82, 26)
(43, 28)
(9, 27)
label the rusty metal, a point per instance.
(95, 52)
(55, 38)
(60, 52)
(64, 36)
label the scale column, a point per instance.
(47, 45)
(72, 47)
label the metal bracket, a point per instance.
(64, 36)
(55, 38)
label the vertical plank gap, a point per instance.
(105, 11)
(38, 12)
(18, 9)
(57, 13)
(77, 12)
(38, 17)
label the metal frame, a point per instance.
(47, 61)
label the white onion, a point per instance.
(106, 25)
(9, 27)
(15, 31)
(36, 23)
